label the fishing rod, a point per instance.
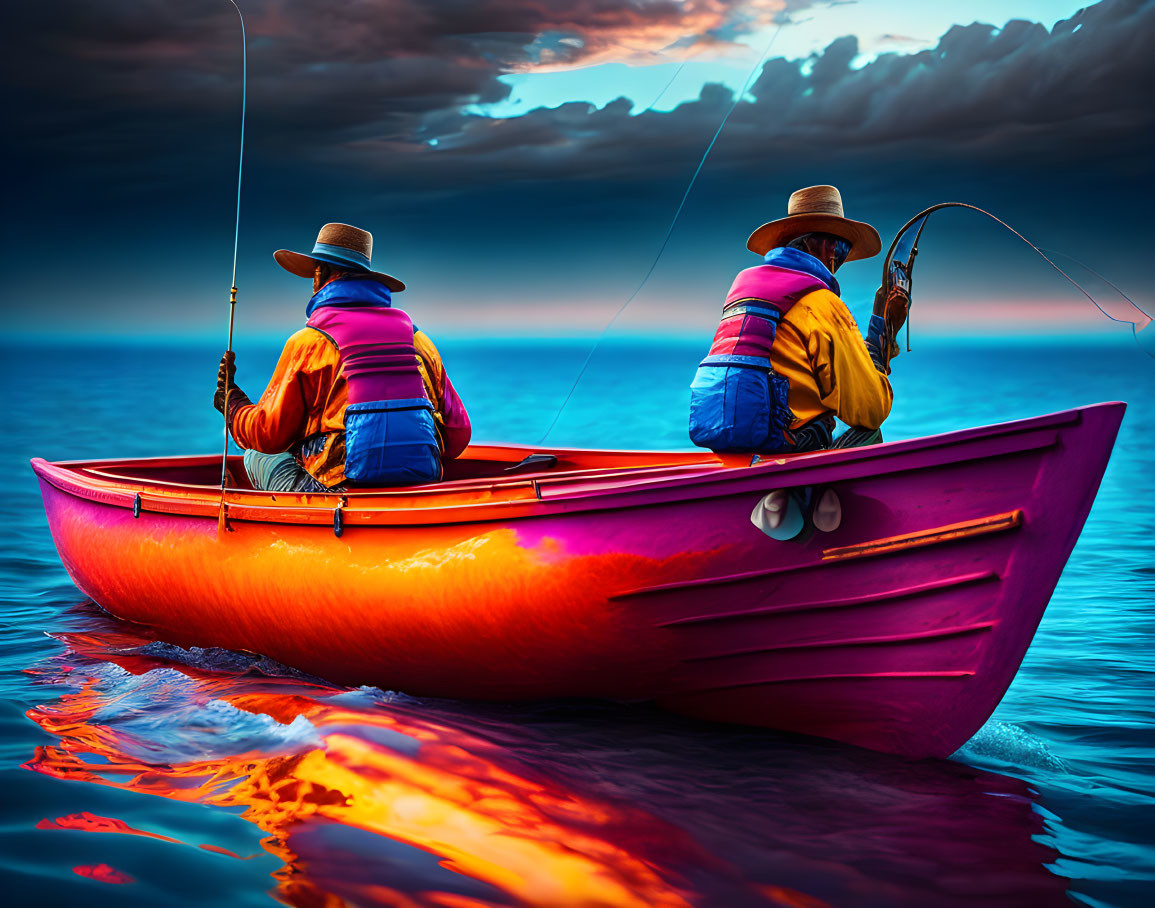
(236, 244)
(669, 231)
(896, 273)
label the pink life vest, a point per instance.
(738, 403)
(390, 431)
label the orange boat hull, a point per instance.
(900, 630)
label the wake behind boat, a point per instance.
(623, 575)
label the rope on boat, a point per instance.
(670, 230)
(236, 245)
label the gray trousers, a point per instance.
(280, 473)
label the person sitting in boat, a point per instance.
(359, 396)
(787, 357)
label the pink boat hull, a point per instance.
(899, 631)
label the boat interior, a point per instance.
(480, 466)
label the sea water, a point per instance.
(133, 772)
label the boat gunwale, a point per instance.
(357, 507)
(472, 484)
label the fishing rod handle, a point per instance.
(232, 316)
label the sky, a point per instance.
(519, 161)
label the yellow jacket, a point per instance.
(820, 351)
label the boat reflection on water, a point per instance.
(372, 798)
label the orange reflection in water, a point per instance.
(102, 872)
(90, 822)
(389, 774)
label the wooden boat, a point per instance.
(622, 574)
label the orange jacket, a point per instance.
(303, 407)
(821, 353)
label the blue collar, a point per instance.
(352, 292)
(797, 260)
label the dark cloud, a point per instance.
(382, 86)
(125, 116)
(1020, 93)
(119, 103)
(320, 72)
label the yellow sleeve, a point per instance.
(452, 420)
(432, 371)
(848, 382)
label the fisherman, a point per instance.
(359, 395)
(788, 357)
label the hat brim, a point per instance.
(303, 266)
(864, 239)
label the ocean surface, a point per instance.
(133, 772)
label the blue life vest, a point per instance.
(391, 436)
(738, 403)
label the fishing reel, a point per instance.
(898, 272)
(898, 267)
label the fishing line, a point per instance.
(241, 157)
(666, 87)
(925, 213)
(669, 232)
(1111, 284)
(236, 245)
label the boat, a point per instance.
(631, 575)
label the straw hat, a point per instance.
(349, 248)
(816, 209)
